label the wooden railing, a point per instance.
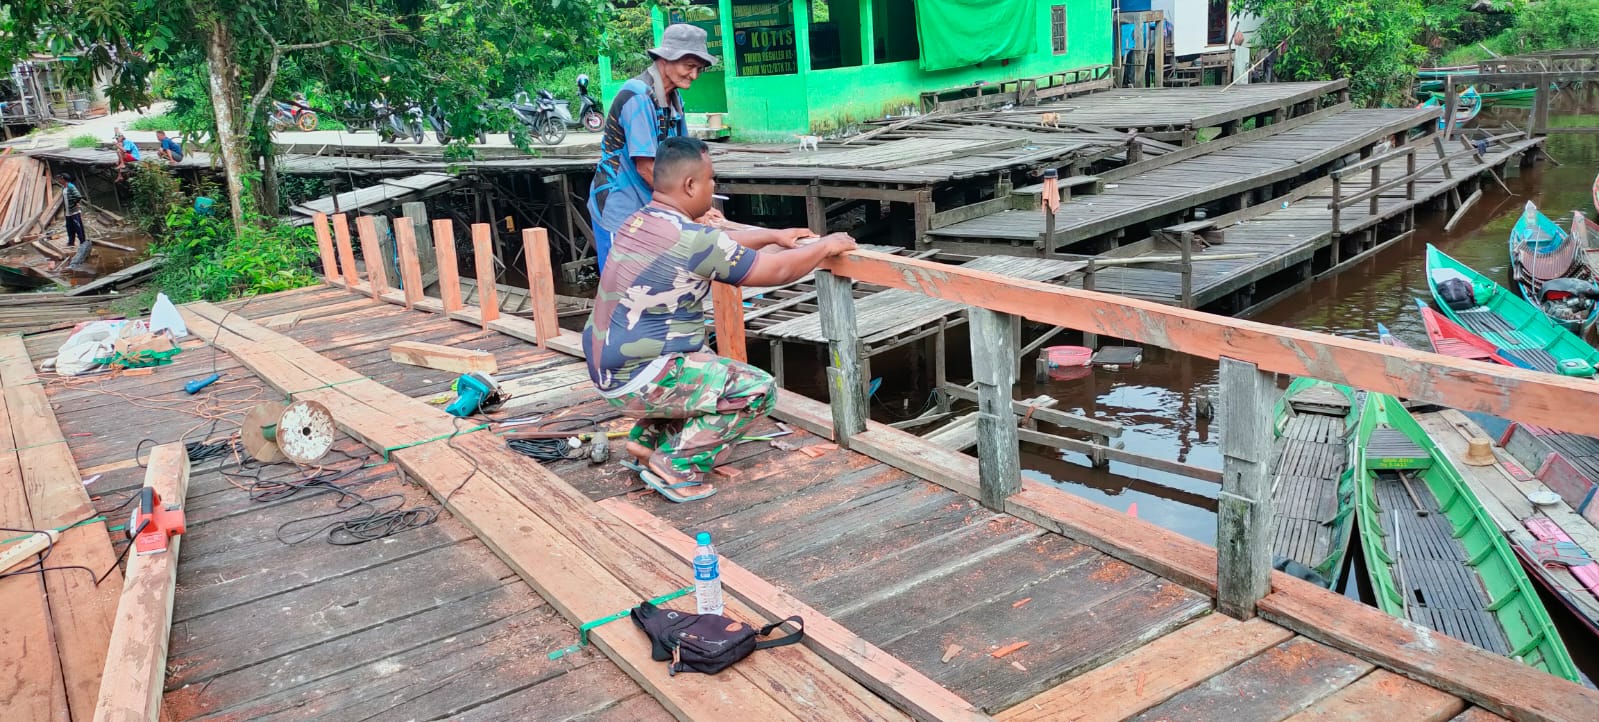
(1251, 354)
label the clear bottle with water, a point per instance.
(707, 576)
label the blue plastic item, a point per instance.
(193, 387)
(470, 391)
(204, 206)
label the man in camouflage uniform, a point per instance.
(645, 341)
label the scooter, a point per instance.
(588, 109)
(546, 119)
(393, 125)
(441, 126)
(293, 114)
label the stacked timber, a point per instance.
(23, 312)
(28, 200)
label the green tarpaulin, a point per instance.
(958, 33)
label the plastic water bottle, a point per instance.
(707, 576)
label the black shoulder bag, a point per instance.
(706, 643)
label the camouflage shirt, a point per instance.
(651, 301)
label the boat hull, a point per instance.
(1518, 329)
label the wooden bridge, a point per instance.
(935, 585)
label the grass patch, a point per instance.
(83, 141)
(164, 121)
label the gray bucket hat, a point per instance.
(680, 40)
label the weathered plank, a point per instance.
(1389, 695)
(1244, 517)
(443, 358)
(136, 662)
(1152, 673)
(845, 384)
(994, 369)
(1267, 687)
(881, 672)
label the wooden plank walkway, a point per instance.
(1285, 238)
(1176, 108)
(1186, 184)
(426, 624)
(916, 568)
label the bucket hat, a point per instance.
(680, 40)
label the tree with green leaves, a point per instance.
(1371, 42)
(462, 50)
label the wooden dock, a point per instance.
(955, 606)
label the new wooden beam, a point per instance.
(881, 672)
(449, 267)
(341, 237)
(324, 244)
(1518, 394)
(410, 266)
(136, 664)
(377, 277)
(443, 358)
(483, 254)
(728, 302)
(540, 284)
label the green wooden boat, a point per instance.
(1433, 555)
(1312, 482)
(1520, 331)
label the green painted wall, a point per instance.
(776, 108)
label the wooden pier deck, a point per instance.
(1190, 108)
(1178, 187)
(1285, 238)
(919, 600)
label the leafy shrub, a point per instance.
(1371, 42)
(207, 259)
(154, 190)
(1557, 25)
(164, 121)
(83, 141)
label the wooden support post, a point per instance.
(377, 280)
(540, 284)
(846, 386)
(923, 212)
(449, 267)
(728, 302)
(341, 237)
(941, 366)
(1451, 101)
(410, 267)
(994, 368)
(1187, 244)
(388, 256)
(136, 661)
(487, 289)
(815, 210)
(324, 246)
(776, 347)
(1243, 513)
(417, 211)
(1090, 340)
(1376, 180)
(1337, 200)
(1410, 174)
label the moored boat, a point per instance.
(1450, 339)
(22, 278)
(1467, 105)
(1312, 484)
(1433, 556)
(1519, 330)
(1552, 271)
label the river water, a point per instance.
(1156, 401)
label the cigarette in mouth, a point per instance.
(719, 196)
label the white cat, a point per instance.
(808, 142)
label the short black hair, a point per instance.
(676, 156)
(66, 177)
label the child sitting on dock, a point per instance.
(645, 342)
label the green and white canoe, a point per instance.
(1433, 555)
(1521, 332)
(1313, 487)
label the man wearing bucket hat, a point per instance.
(645, 112)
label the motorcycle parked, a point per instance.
(393, 125)
(588, 109)
(545, 119)
(293, 114)
(441, 125)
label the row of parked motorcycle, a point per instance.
(543, 117)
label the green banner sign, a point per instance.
(766, 51)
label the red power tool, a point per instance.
(152, 524)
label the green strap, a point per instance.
(450, 435)
(583, 631)
(73, 525)
(326, 386)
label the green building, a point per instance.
(814, 66)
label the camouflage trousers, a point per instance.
(693, 412)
